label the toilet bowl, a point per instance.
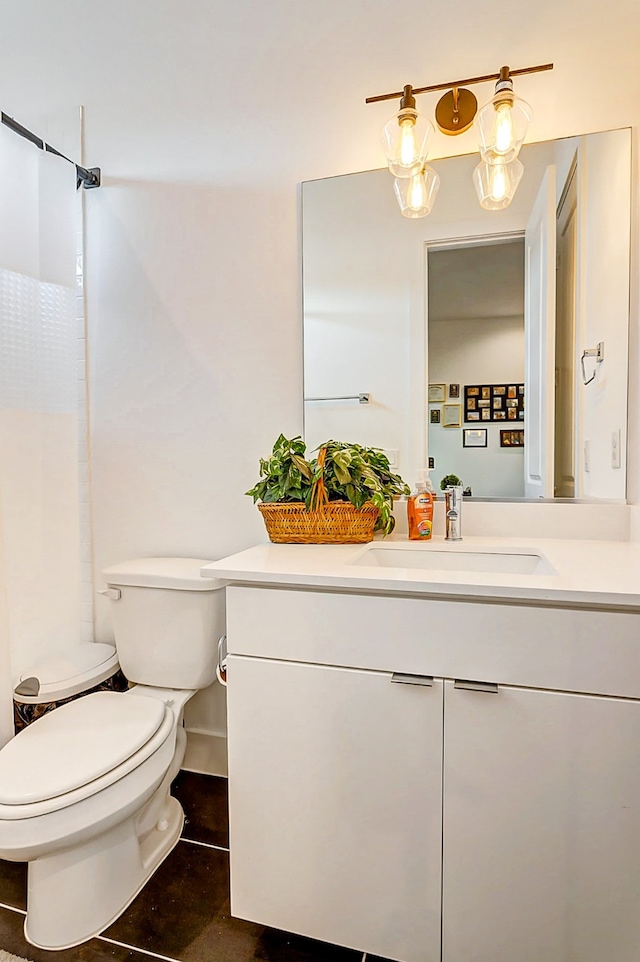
(85, 790)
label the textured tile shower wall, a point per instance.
(43, 457)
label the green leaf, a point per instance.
(303, 466)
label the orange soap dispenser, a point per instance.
(420, 509)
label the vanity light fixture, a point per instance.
(501, 124)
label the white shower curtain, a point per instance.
(41, 408)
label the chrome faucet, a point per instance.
(453, 513)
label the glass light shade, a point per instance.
(406, 142)
(417, 194)
(502, 125)
(496, 183)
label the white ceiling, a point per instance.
(482, 282)
(255, 91)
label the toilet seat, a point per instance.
(78, 750)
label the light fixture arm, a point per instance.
(88, 177)
(462, 83)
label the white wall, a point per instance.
(604, 171)
(186, 366)
(477, 352)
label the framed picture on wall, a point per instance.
(512, 439)
(474, 438)
(454, 390)
(435, 415)
(451, 416)
(437, 393)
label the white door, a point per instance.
(539, 325)
(335, 805)
(541, 827)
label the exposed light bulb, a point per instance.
(503, 137)
(406, 137)
(502, 123)
(498, 182)
(408, 146)
(417, 192)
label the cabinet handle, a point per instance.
(400, 678)
(488, 686)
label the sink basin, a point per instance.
(437, 559)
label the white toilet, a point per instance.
(84, 790)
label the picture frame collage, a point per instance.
(493, 402)
(483, 403)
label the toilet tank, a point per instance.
(166, 621)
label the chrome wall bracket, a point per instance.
(598, 354)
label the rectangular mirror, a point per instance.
(530, 302)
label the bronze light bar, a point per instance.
(461, 83)
(88, 177)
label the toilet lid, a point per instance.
(73, 670)
(75, 744)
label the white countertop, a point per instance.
(603, 574)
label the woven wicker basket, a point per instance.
(337, 522)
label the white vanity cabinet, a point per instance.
(541, 827)
(492, 801)
(335, 793)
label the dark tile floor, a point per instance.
(183, 912)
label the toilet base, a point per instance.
(75, 894)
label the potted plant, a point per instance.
(342, 496)
(450, 481)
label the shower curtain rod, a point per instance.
(88, 177)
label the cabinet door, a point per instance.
(335, 792)
(541, 827)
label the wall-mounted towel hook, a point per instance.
(598, 354)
